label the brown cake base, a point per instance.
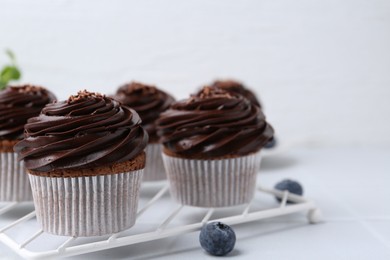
(88, 202)
(154, 139)
(133, 165)
(202, 157)
(7, 146)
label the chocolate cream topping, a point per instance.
(19, 103)
(88, 130)
(148, 101)
(214, 123)
(237, 87)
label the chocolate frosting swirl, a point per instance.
(86, 131)
(17, 105)
(237, 87)
(148, 101)
(214, 123)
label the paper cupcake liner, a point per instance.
(86, 206)
(212, 183)
(14, 183)
(154, 168)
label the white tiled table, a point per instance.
(350, 185)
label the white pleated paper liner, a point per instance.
(86, 206)
(212, 183)
(14, 183)
(154, 168)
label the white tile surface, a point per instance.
(350, 194)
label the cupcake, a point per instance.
(149, 102)
(85, 159)
(17, 104)
(237, 87)
(211, 148)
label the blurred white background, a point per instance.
(321, 68)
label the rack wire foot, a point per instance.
(314, 216)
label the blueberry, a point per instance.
(290, 185)
(217, 238)
(271, 143)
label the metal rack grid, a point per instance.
(68, 246)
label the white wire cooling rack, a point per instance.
(19, 229)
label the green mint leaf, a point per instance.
(9, 73)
